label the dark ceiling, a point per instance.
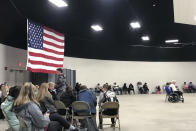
(118, 41)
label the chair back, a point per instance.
(110, 105)
(61, 108)
(59, 105)
(81, 108)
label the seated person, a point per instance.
(124, 88)
(145, 88)
(105, 96)
(131, 88)
(185, 88)
(88, 96)
(68, 97)
(47, 104)
(174, 89)
(52, 90)
(191, 87)
(167, 89)
(6, 107)
(27, 108)
(158, 90)
(140, 88)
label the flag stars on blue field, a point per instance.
(35, 35)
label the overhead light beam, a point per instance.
(96, 28)
(135, 25)
(172, 41)
(145, 38)
(59, 3)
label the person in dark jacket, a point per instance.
(131, 88)
(125, 88)
(145, 88)
(27, 108)
(6, 107)
(77, 87)
(45, 99)
(68, 97)
(60, 83)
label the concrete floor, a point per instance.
(151, 113)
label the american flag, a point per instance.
(45, 48)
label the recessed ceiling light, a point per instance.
(145, 38)
(172, 41)
(96, 27)
(135, 25)
(59, 3)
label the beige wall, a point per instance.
(90, 71)
(185, 11)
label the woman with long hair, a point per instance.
(5, 91)
(47, 103)
(27, 108)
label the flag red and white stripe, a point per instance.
(51, 56)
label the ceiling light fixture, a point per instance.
(59, 3)
(96, 27)
(172, 41)
(135, 25)
(145, 38)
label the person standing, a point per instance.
(60, 83)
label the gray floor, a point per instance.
(151, 113)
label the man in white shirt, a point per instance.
(173, 86)
(174, 89)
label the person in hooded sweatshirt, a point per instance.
(6, 107)
(27, 108)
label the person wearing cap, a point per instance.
(60, 83)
